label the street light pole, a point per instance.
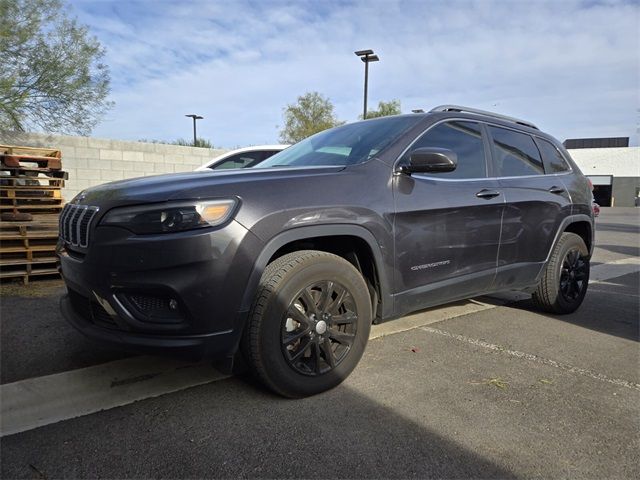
(366, 56)
(366, 86)
(195, 117)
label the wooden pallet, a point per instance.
(21, 262)
(35, 239)
(30, 193)
(32, 151)
(33, 197)
(31, 208)
(28, 241)
(14, 250)
(34, 171)
(27, 201)
(27, 263)
(38, 224)
(26, 188)
(42, 158)
(31, 181)
(19, 233)
(26, 181)
(28, 270)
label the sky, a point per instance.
(570, 67)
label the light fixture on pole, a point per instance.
(366, 56)
(195, 117)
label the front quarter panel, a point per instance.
(354, 202)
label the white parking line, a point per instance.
(617, 268)
(427, 317)
(535, 358)
(35, 402)
(597, 290)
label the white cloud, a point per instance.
(570, 67)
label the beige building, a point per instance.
(614, 172)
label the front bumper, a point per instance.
(121, 287)
(213, 345)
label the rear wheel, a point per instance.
(566, 276)
(309, 323)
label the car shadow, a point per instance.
(612, 311)
(235, 429)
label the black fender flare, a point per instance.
(302, 233)
(563, 226)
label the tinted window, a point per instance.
(240, 160)
(269, 153)
(345, 145)
(462, 138)
(551, 157)
(516, 153)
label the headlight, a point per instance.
(171, 216)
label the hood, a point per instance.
(192, 185)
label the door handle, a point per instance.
(487, 194)
(556, 190)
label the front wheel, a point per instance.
(566, 276)
(309, 323)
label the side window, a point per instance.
(515, 153)
(240, 160)
(268, 153)
(464, 139)
(553, 161)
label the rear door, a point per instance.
(536, 203)
(446, 225)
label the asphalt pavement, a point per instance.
(489, 388)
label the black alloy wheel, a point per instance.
(565, 277)
(309, 324)
(319, 328)
(575, 270)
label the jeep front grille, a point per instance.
(75, 221)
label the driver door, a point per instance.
(447, 225)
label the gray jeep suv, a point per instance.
(288, 264)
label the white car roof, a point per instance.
(258, 148)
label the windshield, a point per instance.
(345, 145)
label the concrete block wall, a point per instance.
(92, 161)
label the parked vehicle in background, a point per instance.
(242, 157)
(289, 263)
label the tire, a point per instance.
(566, 276)
(301, 341)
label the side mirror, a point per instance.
(430, 160)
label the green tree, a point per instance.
(51, 73)
(311, 114)
(385, 109)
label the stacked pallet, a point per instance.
(31, 181)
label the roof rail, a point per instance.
(458, 108)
